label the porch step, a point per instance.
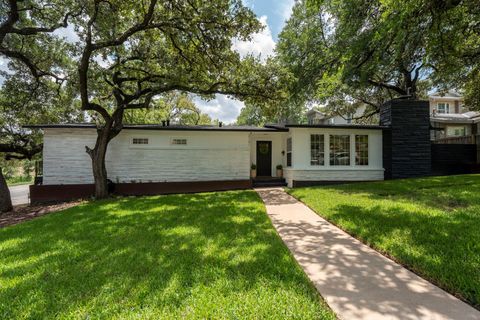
(260, 182)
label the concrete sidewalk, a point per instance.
(356, 281)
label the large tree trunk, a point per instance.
(5, 200)
(97, 154)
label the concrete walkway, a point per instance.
(356, 281)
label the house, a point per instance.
(156, 153)
(451, 120)
(155, 159)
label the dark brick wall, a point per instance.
(54, 193)
(454, 159)
(406, 144)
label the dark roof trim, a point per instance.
(338, 126)
(160, 127)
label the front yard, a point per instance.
(430, 225)
(212, 255)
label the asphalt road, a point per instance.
(19, 194)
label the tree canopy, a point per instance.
(123, 56)
(175, 106)
(348, 52)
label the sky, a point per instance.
(273, 14)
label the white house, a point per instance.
(451, 119)
(164, 154)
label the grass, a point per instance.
(431, 225)
(212, 255)
(19, 180)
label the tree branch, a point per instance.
(387, 86)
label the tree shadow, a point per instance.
(430, 225)
(360, 281)
(443, 193)
(199, 255)
(445, 251)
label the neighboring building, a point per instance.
(315, 116)
(451, 120)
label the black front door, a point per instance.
(264, 158)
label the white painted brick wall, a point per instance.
(208, 156)
(333, 175)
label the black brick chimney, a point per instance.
(406, 144)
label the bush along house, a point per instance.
(160, 159)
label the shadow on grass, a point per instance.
(444, 249)
(363, 284)
(443, 193)
(203, 255)
(430, 225)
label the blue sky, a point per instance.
(273, 14)
(276, 12)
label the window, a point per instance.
(339, 150)
(140, 141)
(289, 152)
(317, 149)
(361, 150)
(443, 108)
(177, 141)
(456, 131)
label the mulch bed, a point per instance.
(24, 213)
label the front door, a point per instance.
(264, 158)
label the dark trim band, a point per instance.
(53, 193)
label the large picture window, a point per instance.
(317, 149)
(289, 152)
(361, 150)
(339, 150)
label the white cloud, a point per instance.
(286, 9)
(222, 107)
(67, 33)
(261, 44)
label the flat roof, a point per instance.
(338, 126)
(161, 127)
(225, 128)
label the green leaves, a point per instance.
(380, 49)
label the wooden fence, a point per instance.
(457, 140)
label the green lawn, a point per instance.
(431, 225)
(212, 255)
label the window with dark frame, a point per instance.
(140, 141)
(361, 150)
(339, 150)
(289, 152)
(317, 149)
(177, 141)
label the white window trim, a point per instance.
(447, 107)
(355, 150)
(287, 152)
(324, 150)
(350, 147)
(327, 150)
